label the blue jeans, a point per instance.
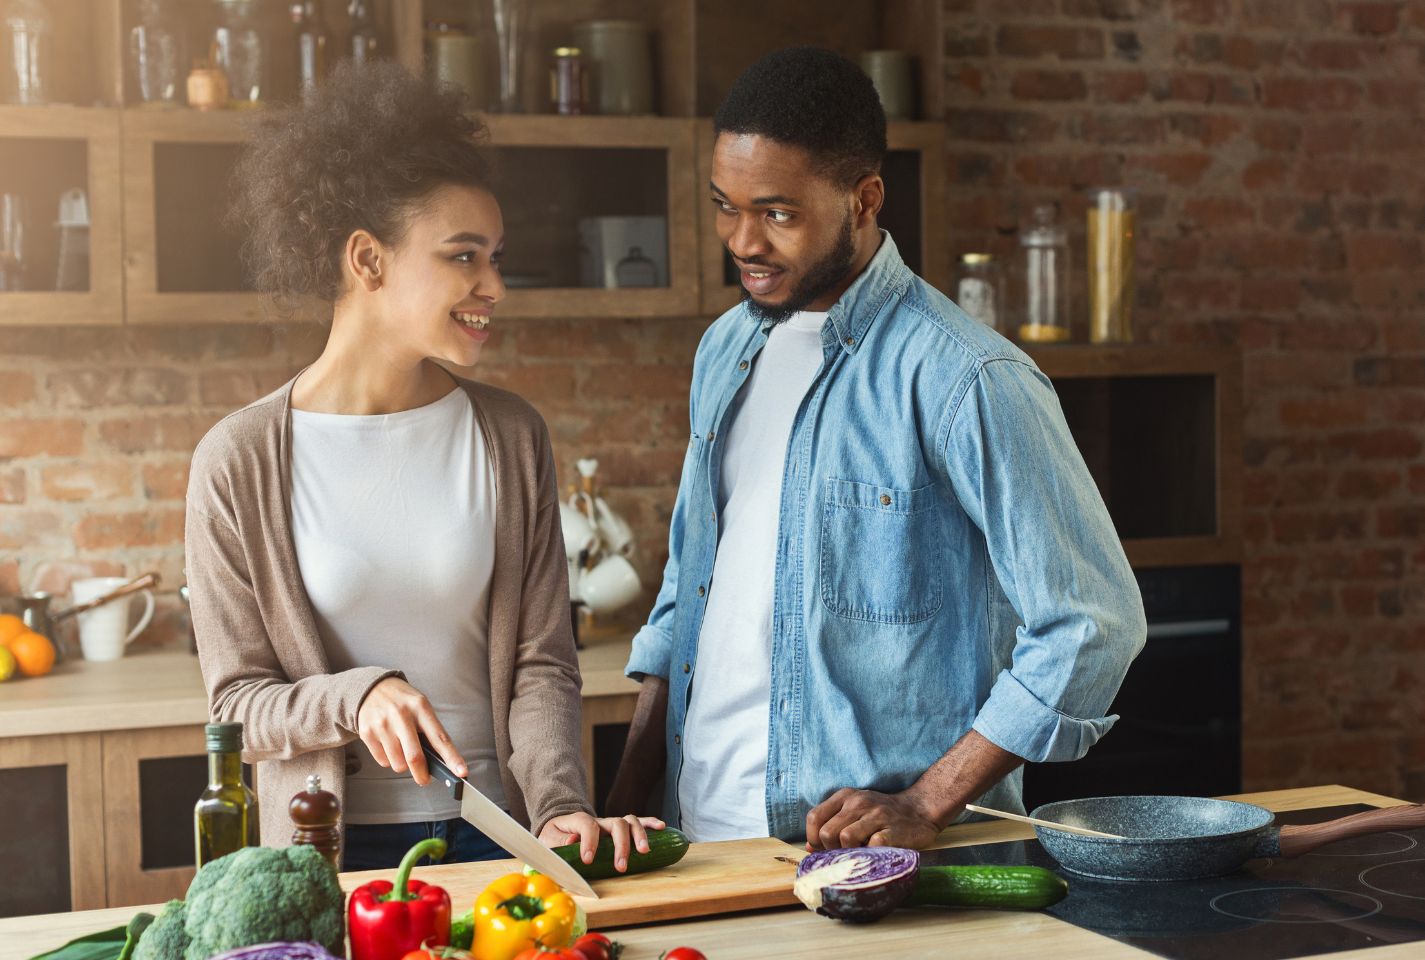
(380, 846)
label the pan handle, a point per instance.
(1296, 840)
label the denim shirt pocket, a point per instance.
(881, 560)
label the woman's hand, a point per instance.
(390, 721)
(586, 829)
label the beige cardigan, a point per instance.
(264, 664)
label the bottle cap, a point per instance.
(223, 737)
(976, 258)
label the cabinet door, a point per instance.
(52, 792)
(152, 779)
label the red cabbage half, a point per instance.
(857, 884)
(297, 950)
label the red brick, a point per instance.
(1322, 411)
(545, 384)
(1108, 128)
(627, 466)
(41, 437)
(1202, 12)
(121, 531)
(1268, 172)
(1384, 444)
(231, 389)
(16, 388)
(1074, 172)
(88, 481)
(12, 485)
(108, 388)
(1119, 86)
(1333, 135)
(1395, 94)
(1368, 484)
(1270, 294)
(1372, 252)
(1407, 522)
(1208, 129)
(30, 529)
(173, 433)
(1281, 136)
(1336, 54)
(1000, 126)
(1214, 213)
(1315, 333)
(1374, 19)
(58, 577)
(1066, 43)
(165, 481)
(629, 383)
(1310, 94)
(1391, 371)
(1182, 169)
(1048, 85)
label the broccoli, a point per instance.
(256, 895)
(165, 938)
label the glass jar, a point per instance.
(568, 82)
(312, 44)
(1111, 228)
(365, 38)
(241, 51)
(29, 41)
(979, 288)
(1046, 279)
(157, 55)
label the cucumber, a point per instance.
(665, 848)
(1014, 888)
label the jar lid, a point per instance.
(975, 259)
(567, 51)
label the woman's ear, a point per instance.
(870, 196)
(363, 259)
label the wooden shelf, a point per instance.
(97, 130)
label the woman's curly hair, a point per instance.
(361, 153)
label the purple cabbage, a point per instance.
(296, 950)
(856, 884)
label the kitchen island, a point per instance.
(795, 932)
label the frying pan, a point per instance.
(1185, 838)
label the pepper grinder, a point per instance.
(316, 813)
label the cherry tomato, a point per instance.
(551, 953)
(683, 953)
(596, 946)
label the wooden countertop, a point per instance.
(163, 688)
(798, 933)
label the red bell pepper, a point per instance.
(386, 921)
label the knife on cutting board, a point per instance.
(486, 816)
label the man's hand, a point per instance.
(389, 722)
(628, 832)
(865, 818)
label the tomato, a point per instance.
(683, 953)
(551, 953)
(596, 946)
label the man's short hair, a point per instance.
(814, 99)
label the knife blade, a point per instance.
(486, 816)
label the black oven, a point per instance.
(1180, 707)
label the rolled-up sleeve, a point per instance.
(1018, 473)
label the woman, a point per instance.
(374, 550)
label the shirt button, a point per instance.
(701, 590)
(677, 738)
(851, 341)
(712, 435)
(687, 668)
(742, 365)
(885, 499)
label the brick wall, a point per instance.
(1277, 145)
(1277, 148)
(97, 426)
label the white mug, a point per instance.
(613, 529)
(579, 532)
(104, 631)
(609, 585)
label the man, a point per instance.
(891, 579)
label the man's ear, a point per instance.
(363, 259)
(870, 196)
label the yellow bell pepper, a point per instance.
(517, 912)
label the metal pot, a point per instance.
(1186, 838)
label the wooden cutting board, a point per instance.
(712, 878)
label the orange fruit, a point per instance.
(34, 654)
(11, 627)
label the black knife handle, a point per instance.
(439, 770)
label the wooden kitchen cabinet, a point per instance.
(45, 151)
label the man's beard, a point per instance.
(823, 277)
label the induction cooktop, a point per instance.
(1363, 892)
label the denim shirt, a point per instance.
(944, 559)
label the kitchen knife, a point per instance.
(482, 813)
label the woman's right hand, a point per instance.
(389, 722)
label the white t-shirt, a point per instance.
(722, 787)
(394, 521)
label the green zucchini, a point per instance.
(665, 848)
(1014, 888)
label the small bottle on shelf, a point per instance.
(225, 819)
(365, 38)
(312, 42)
(1046, 279)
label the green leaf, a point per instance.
(105, 945)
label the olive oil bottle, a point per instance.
(225, 817)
